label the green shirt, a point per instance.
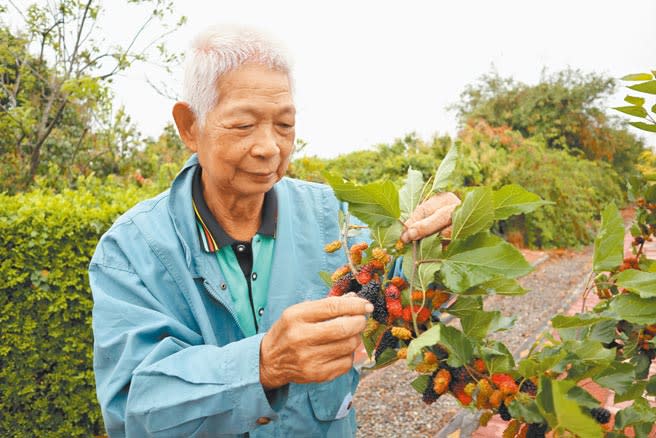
(246, 266)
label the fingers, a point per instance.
(343, 327)
(331, 307)
(430, 217)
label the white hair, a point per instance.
(220, 49)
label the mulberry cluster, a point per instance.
(346, 283)
(429, 395)
(504, 413)
(528, 387)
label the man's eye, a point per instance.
(243, 127)
(285, 125)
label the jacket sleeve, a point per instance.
(154, 376)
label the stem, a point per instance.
(586, 292)
(412, 286)
(344, 233)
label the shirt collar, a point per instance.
(212, 235)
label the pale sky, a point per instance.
(368, 72)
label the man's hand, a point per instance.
(313, 341)
(431, 216)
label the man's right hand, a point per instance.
(313, 341)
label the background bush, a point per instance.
(46, 375)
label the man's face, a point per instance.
(246, 142)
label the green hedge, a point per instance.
(46, 343)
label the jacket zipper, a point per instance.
(213, 294)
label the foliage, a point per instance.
(46, 374)
(563, 108)
(56, 107)
(646, 84)
(613, 343)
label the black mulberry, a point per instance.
(601, 415)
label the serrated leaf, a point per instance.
(387, 357)
(651, 386)
(634, 100)
(453, 340)
(475, 214)
(497, 286)
(538, 364)
(481, 258)
(637, 77)
(325, 276)
(512, 199)
(639, 282)
(638, 412)
(371, 340)
(528, 412)
(635, 391)
(386, 237)
(426, 274)
(618, 377)
(497, 358)
(603, 331)
(632, 110)
(583, 397)
(445, 169)
(430, 247)
(648, 87)
(563, 413)
(644, 126)
(578, 320)
(410, 193)
(376, 204)
(477, 324)
(609, 243)
(420, 383)
(634, 308)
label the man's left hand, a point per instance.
(431, 216)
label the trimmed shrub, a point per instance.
(46, 346)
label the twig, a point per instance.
(344, 233)
(412, 286)
(586, 291)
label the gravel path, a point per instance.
(386, 404)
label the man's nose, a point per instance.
(266, 145)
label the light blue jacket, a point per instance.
(169, 357)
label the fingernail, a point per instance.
(369, 307)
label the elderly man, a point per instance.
(209, 316)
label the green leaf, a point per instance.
(590, 352)
(603, 331)
(653, 108)
(637, 77)
(410, 193)
(636, 111)
(651, 386)
(645, 87)
(370, 341)
(420, 383)
(497, 286)
(376, 204)
(513, 199)
(497, 357)
(445, 169)
(465, 305)
(638, 412)
(583, 397)
(634, 308)
(430, 247)
(325, 276)
(386, 237)
(635, 391)
(561, 412)
(618, 377)
(480, 258)
(475, 214)
(634, 100)
(426, 274)
(427, 339)
(529, 412)
(642, 283)
(578, 320)
(644, 126)
(609, 243)
(454, 341)
(477, 324)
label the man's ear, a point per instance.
(185, 120)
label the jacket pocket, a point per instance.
(333, 400)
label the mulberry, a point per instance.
(340, 272)
(365, 275)
(394, 308)
(536, 430)
(386, 341)
(441, 381)
(370, 291)
(601, 415)
(392, 292)
(380, 310)
(430, 396)
(528, 387)
(479, 365)
(504, 413)
(399, 282)
(404, 334)
(342, 285)
(422, 314)
(485, 418)
(333, 246)
(511, 430)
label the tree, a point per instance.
(564, 108)
(55, 78)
